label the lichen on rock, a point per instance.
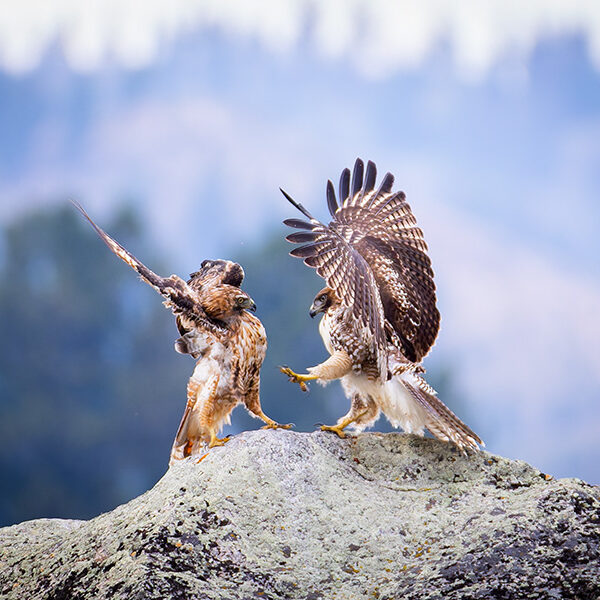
(279, 514)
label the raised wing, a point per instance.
(179, 296)
(378, 225)
(346, 272)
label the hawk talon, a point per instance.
(215, 441)
(336, 429)
(275, 425)
(297, 378)
(343, 423)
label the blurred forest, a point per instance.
(91, 391)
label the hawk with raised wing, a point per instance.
(217, 329)
(379, 307)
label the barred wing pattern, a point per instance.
(179, 296)
(376, 231)
(437, 417)
(346, 272)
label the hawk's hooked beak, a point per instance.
(251, 305)
(313, 312)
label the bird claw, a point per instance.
(335, 429)
(218, 441)
(294, 377)
(275, 425)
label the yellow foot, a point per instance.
(215, 441)
(297, 378)
(335, 428)
(274, 425)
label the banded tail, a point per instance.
(413, 404)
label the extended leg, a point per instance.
(336, 366)
(252, 403)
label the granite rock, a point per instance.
(279, 514)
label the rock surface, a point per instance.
(277, 514)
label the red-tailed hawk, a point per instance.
(379, 307)
(216, 328)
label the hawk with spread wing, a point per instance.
(379, 307)
(216, 329)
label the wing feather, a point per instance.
(331, 201)
(385, 188)
(298, 224)
(370, 177)
(344, 185)
(308, 250)
(349, 275)
(357, 180)
(177, 293)
(301, 237)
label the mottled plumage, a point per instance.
(216, 328)
(380, 315)
(227, 372)
(211, 274)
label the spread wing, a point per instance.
(332, 253)
(179, 296)
(375, 230)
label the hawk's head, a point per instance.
(226, 301)
(323, 300)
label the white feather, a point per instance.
(400, 407)
(392, 398)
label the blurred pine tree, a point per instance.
(90, 389)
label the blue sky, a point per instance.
(489, 118)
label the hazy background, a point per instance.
(175, 124)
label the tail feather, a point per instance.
(187, 442)
(189, 438)
(439, 419)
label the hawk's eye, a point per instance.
(321, 299)
(240, 300)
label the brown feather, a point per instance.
(180, 297)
